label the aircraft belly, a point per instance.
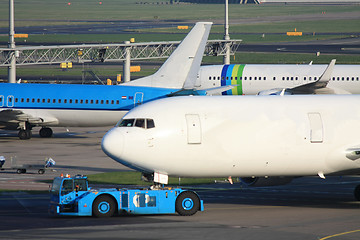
(82, 118)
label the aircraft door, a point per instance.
(1, 101)
(193, 128)
(138, 99)
(10, 101)
(316, 128)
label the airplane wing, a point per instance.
(11, 118)
(317, 87)
(218, 90)
(312, 88)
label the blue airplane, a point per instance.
(24, 106)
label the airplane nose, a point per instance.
(112, 143)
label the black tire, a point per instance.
(41, 171)
(19, 171)
(23, 134)
(103, 206)
(357, 192)
(187, 203)
(45, 132)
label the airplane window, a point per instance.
(231, 78)
(352, 79)
(33, 100)
(70, 101)
(112, 101)
(117, 101)
(292, 78)
(245, 78)
(86, 101)
(227, 78)
(54, 100)
(140, 122)
(22, 100)
(343, 78)
(97, 101)
(150, 123)
(59, 101)
(107, 101)
(283, 78)
(76, 101)
(347, 79)
(81, 101)
(309, 78)
(38, 100)
(126, 123)
(43, 100)
(255, 78)
(91, 101)
(249, 78)
(259, 78)
(218, 78)
(65, 101)
(274, 78)
(209, 77)
(264, 78)
(240, 78)
(102, 101)
(287, 78)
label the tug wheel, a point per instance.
(187, 203)
(103, 206)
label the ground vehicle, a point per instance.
(41, 166)
(71, 196)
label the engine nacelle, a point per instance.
(265, 182)
(275, 91)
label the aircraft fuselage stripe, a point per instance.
(232, 75)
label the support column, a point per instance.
(126, 66)
(12, 67)
(226, 36)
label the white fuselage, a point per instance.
(254, 78)
(243, 136)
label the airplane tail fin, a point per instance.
(181, 68)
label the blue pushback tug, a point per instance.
(71, 196)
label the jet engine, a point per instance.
(265, 182)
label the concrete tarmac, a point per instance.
(75, 151)
(308, 208)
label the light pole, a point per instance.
(226, 36)
(12, 67)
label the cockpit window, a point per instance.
(138, 122)
(127, 123)
(150, 123)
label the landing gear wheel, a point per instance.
(357, 192)
(187, 203)
(46, 132)
(19, 171)
(41, 171)
(24, 134)
(103, 206)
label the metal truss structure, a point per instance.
(85, 53)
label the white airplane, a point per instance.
(272, 79)
(257, 138)
(24, 106)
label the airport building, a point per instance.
(222, 1)
(273, 1)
